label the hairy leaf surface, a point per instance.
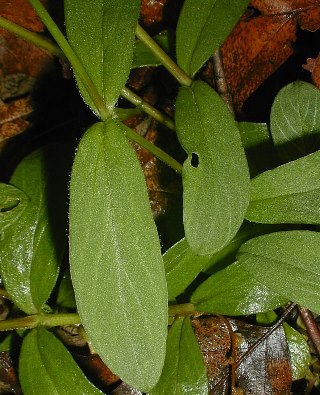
(47, 367)
(184, 371)
(116, 264)
(288, 193)
(102, 35)
(287, 263)
(234, 291)
(13, 202)
(295, 120)
(202, 28)
(216, 186)
(33, 247)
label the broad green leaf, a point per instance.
(288, 193)
(182, 266)
(102, 35)
(234, 291)
(287, 263)
(116, 264)
(202, 28)
(184, 370)
(215, 175)
(33, 247)
(47, 367)
(142, 56)
(300, 357)
(12, 204)
(295, 120)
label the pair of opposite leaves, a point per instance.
(125, 310)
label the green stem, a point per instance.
(156, 151)
(50, 320)
(103, 111)
(166, 61)
(32, 321)
(181, 309)
(31, 37)
(146, 107)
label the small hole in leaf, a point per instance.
(194, 160)
(10, 206)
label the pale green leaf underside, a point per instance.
(288, 193)
(216, 192)
(102, 35)
(234, 291)
(287, 263)
(46, 367)
(116, 264)
(30, 270)
(184, 371)
(13, 202)
(202, 28)
(295, 120)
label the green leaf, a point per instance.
(12, 204)
(216, 186)
(288, 193)
(287, 263)
(299, 350)
(65, 297)
(116, 264)
(142, 56)
(295, 120)
(182, 266)
(46, 367)
(203, 28)
(184, 370)
(33, 247)
(234, 291)
(102, 35)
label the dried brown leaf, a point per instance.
(313, 65)
(259, 45)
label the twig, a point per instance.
(221, 83)
(311, 326)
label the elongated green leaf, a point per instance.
(46, 367)
(287, 263)
(184, 371)
(234, 291)
(216, 186)
(202, 28)
(32, 248)
(182, 266)
(116, 264)
(12, 204)
(102, 35)
(288, 193)
(295, 120)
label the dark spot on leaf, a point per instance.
(194, 160)
(12, 205)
